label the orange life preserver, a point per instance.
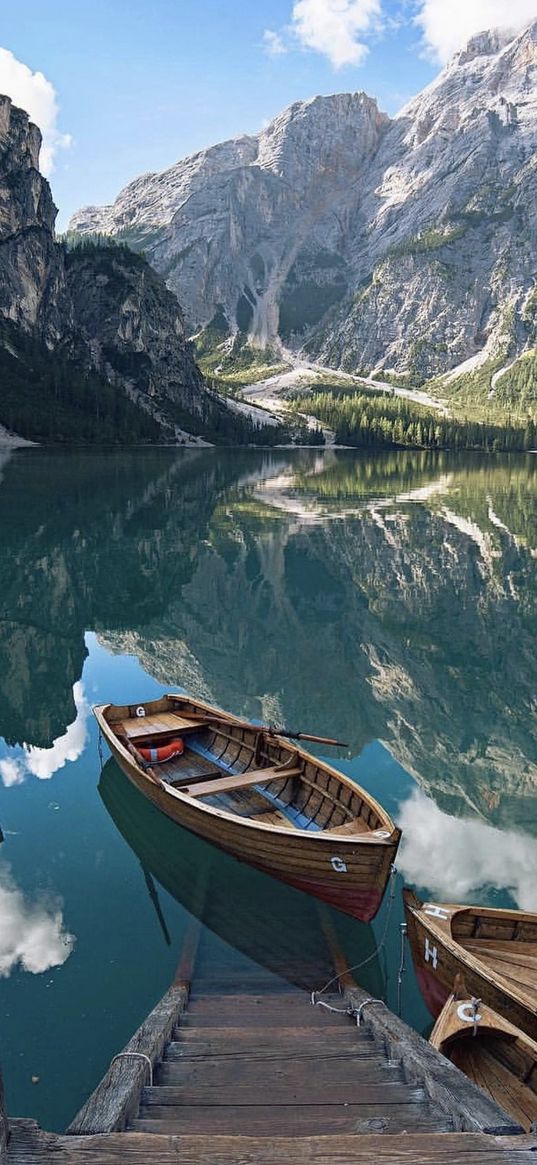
(156, 756)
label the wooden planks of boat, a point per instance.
(493, 1053)
(495, 951)
(260, 797)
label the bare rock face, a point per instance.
(256, 226)
(31, 271)
(133, 326)
(407, 244)
(99, 312)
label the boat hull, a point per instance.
(348, 873)
(439, 961)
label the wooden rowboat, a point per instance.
(259, 797)
(495, 952)
(269, 922)
(493, 1053)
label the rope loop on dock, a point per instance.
(358, 1011)
(136, 1056)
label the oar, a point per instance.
(269, 729)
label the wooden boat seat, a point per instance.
(275, 817)
(348, 827)
(162, 723)
(242, 780)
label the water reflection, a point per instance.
(458, 861)
(274, 925)
(32, 933)
(409, 617)
(44, 762)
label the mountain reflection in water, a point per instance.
(409, 621)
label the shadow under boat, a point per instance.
(279, 928)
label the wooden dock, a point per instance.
(251, 1073)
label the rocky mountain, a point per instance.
(404, 244)
(92, 342)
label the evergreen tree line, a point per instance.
(377, 420)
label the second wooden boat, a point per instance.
(493, 1053)
(495, 952)
(258, 796)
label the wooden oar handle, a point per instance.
(270, 729)
(320, 739)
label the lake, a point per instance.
(388, 600)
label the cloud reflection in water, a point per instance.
(454, 858)
(32, 934)
(44, 762)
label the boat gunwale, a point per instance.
(345, 840)
(479, 966)
(491, 1024)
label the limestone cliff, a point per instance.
(404, 244)
(92, 343)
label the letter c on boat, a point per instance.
(467, 1013)
(339, 865)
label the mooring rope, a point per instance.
(402, 967)
(100, 749)
(136, 1056)
(369, 959)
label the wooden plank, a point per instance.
(31, 1146)
(445, 1084)
(157, 725)
(293, 1081)
(115, 1100)
(242, 780)
(289, 1119)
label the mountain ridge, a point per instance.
(92, 342)
(372, 243)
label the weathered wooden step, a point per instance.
(252, 1078)
(275, 1036)
(271, 1040)
(179, 1053)
(31, 1144)
(248, 1010)
(298, 1088)
(293, 1120)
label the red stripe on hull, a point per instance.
(433, 991)
(361, 903)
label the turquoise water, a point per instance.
(388, 601)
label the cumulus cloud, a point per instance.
(273, 43)
(335, 28)
(44, 762)
(447, 27)
(32, 92)
(454, 858)
(31, 933)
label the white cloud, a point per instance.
(273, 43)
(335, 28)
(31, 934)
(455, 858)
(448, 26)
(44, 762)
(11, 772)
(32, 92)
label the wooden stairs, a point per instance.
(248, 1072)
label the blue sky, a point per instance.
(137, 85)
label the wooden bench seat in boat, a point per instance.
(241, 780)
(354, 826)
(157, 725)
